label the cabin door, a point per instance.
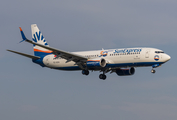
(147, 53)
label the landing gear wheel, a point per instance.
(85, 72)
(102, 76)
(152, 71)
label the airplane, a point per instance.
(120, 61)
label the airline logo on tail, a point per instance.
(39, 38)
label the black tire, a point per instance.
(85, 72)
(153, 71)
(102, 76)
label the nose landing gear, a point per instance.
(155, 66)
(153, 71)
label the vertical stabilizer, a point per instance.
(39, 38)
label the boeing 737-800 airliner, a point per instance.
(120, 61)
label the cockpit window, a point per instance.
(159, 52)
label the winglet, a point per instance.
(23, 35)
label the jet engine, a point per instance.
(97, 62)
(124, 72)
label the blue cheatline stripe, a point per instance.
(41, 53)
(115, 65)
(133, 64)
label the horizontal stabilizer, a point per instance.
(23, 54)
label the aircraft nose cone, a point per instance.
(168, 57)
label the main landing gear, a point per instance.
(102, 76)
(85, 72)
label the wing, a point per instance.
(63, 54)
(26, 55)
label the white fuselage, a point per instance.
(110, 60)
(115, 58)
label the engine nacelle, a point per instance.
(97, 62)
(124, 72)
